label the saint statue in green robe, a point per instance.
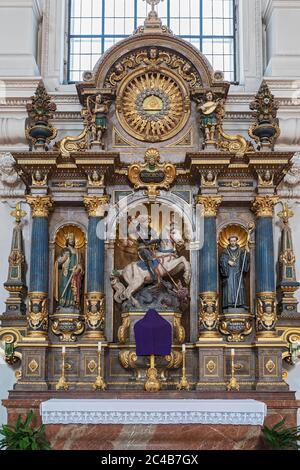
(234, 264)
(68, 276)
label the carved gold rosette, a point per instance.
(211, 204)
(266, 316)
(208, 314)
(40, 205)
(153, 106)
(263, 206)
(95, 314)
(96, 205)
(37, 316)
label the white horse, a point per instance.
(135, 277)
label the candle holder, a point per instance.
(152, 383)
(183, 384)
(233, 384)
(62, 384)
(99, 383)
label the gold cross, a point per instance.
(153, 3)
(18, 213)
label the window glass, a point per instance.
(96, 25)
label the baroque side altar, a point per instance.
(153, 206)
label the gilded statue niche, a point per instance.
(68, 285)
(236, 320)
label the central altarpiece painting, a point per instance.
(153, 206)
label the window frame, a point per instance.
(201, 37)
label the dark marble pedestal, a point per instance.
(156, 437)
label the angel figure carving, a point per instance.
(211, 110)
(98, 109)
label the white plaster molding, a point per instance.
(250, 39)
(120, 411)
(12, 131)
(37, 5)
(53, 43)
(272, 4)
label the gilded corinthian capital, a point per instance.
(263, 206)
(40, 205)
(95, 205)
(211, 204)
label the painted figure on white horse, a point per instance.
(159, 261)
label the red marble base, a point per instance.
(156, 437)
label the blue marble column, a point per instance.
(95, 298)
(208, 272)
(39, 267)
(266, 317)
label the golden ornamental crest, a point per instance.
(152, 174)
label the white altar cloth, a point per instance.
(155, 411)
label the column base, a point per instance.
(210, 336)
(36, 338)
(96, 335)
(267, 336)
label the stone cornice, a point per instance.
(37, 5)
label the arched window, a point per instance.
(95, 25)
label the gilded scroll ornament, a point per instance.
(124, 329)
(152, 174)
(67, 326)
(154, 57)
(235, 144)
(263, 206)
(40, 205)
(236, 327)
(178, 328)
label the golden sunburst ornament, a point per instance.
(153, 105)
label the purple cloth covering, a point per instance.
(153, 335)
